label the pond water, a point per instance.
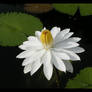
(11, 71)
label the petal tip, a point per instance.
(83, 50)
(18, 56)
(44, 28)
(31, 73)
(48, 78)
(21, 47)
(68, 29)
(70, 70)
(25, 71)
(64, 71)
(23, 64)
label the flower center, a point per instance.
(46, 39)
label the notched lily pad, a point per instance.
(15, 27)
(82, 80)
(85, 9)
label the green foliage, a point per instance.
(85, 9)
(66, 8)
(82, 80)
(15, 27)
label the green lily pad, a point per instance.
(82, 80)
(85, 9)
(15, 27)
(66, 8)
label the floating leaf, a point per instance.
(38, 8)
(85, 9)
(82, 80)
(66, 8)
(15, 27)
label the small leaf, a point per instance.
(82, 80)
(15, 27)
(85, 9)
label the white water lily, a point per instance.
(50, 48)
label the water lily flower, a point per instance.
(50, 48)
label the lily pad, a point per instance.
(82, 80)
(85, 9)
(38, 8)
(66, 8)
(15, 27)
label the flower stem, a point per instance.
(57, 79)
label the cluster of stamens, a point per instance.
(46, 39)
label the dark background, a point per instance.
(11, 71)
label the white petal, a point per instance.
(23, 47)
(66, 45)
(37, 34)
(46, 56)
(25, 54)
(27, 61)
(47, 65)
(32, 38)
(68, 35)
(77, 49)
(35, 56)
(69, 66)
(58, 63)
(77, 39)
(43, 29)
(27, 68)
(35, 66)
(71, 54)
(33, 41)
(74, 39)
(60, 35)
(61, 55)
(55, 31)
(48, 71)
(26, 47)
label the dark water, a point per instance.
(11, 71)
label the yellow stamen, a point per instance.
(46, 39)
